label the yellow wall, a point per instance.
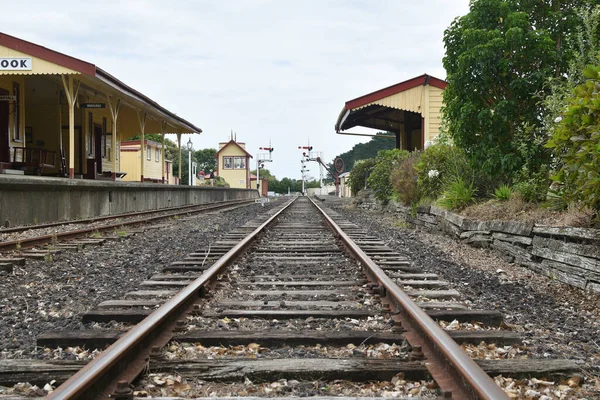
(435, 112)
(236, 178)
(130, 163)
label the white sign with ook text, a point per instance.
(15, 64)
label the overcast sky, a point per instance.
(274, 71)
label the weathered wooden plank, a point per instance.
(434, 294)
(303, 283)
(13, 261)
(151, 293)
(89, 339)
(421, 283)
(292, 314)
(286, 303)
(130, 303)
(297, 293)
(6, 268)
(267, 370)
(487, 317)
(132, 316)
(295, 338)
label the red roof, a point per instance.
(422, 80)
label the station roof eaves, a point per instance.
(88, 69)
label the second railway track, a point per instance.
(313, 299)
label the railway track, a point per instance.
(69, 230)
(306, 298)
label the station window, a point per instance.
(157, 154)
(240, 163)
(148, 154)
(227, 162)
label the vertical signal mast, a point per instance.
(261, 159)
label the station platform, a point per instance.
(26, 200)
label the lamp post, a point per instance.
(189, 147)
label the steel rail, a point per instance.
(473, 382)
(39, 240)
(104, 218)
(98, 378)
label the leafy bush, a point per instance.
(532, 187)
(404, 179)
(503, 193)
(576, 142)
(438, 165)
(379, 180)
(457, 195)
(360, 172)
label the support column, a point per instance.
(179, 146)
(114, 112)
(142, 120)
(163, 128)
(71, 92)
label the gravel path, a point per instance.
(558, 320)
(42, 296)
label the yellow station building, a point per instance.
(410, 109)
(63, 116)
(233, 164)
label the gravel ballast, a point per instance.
(42, 295)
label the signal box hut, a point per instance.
(410, 109)
(63, 116)
(233, 164)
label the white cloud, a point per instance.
(277, 69)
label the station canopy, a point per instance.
(410, 109)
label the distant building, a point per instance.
(264, 185)
(345, 190)
(233, 164)
(130, 162)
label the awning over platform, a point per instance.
(402, 108)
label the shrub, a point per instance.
(503, 193)
(379, 180)
(438, 165)
(404, 179)
(576, 142)
(360, 172)
(532, 187)
(458, 194)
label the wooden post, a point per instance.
(114, 112)
(142, 121)
(72, 99)
(179, 146)
(163, 128)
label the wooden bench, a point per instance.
(33, 157)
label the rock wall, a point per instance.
(570, 255)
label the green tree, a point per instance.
(576, 143)
(363, 151)
(206, 160)
(498, 58)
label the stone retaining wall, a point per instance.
(570, 255)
